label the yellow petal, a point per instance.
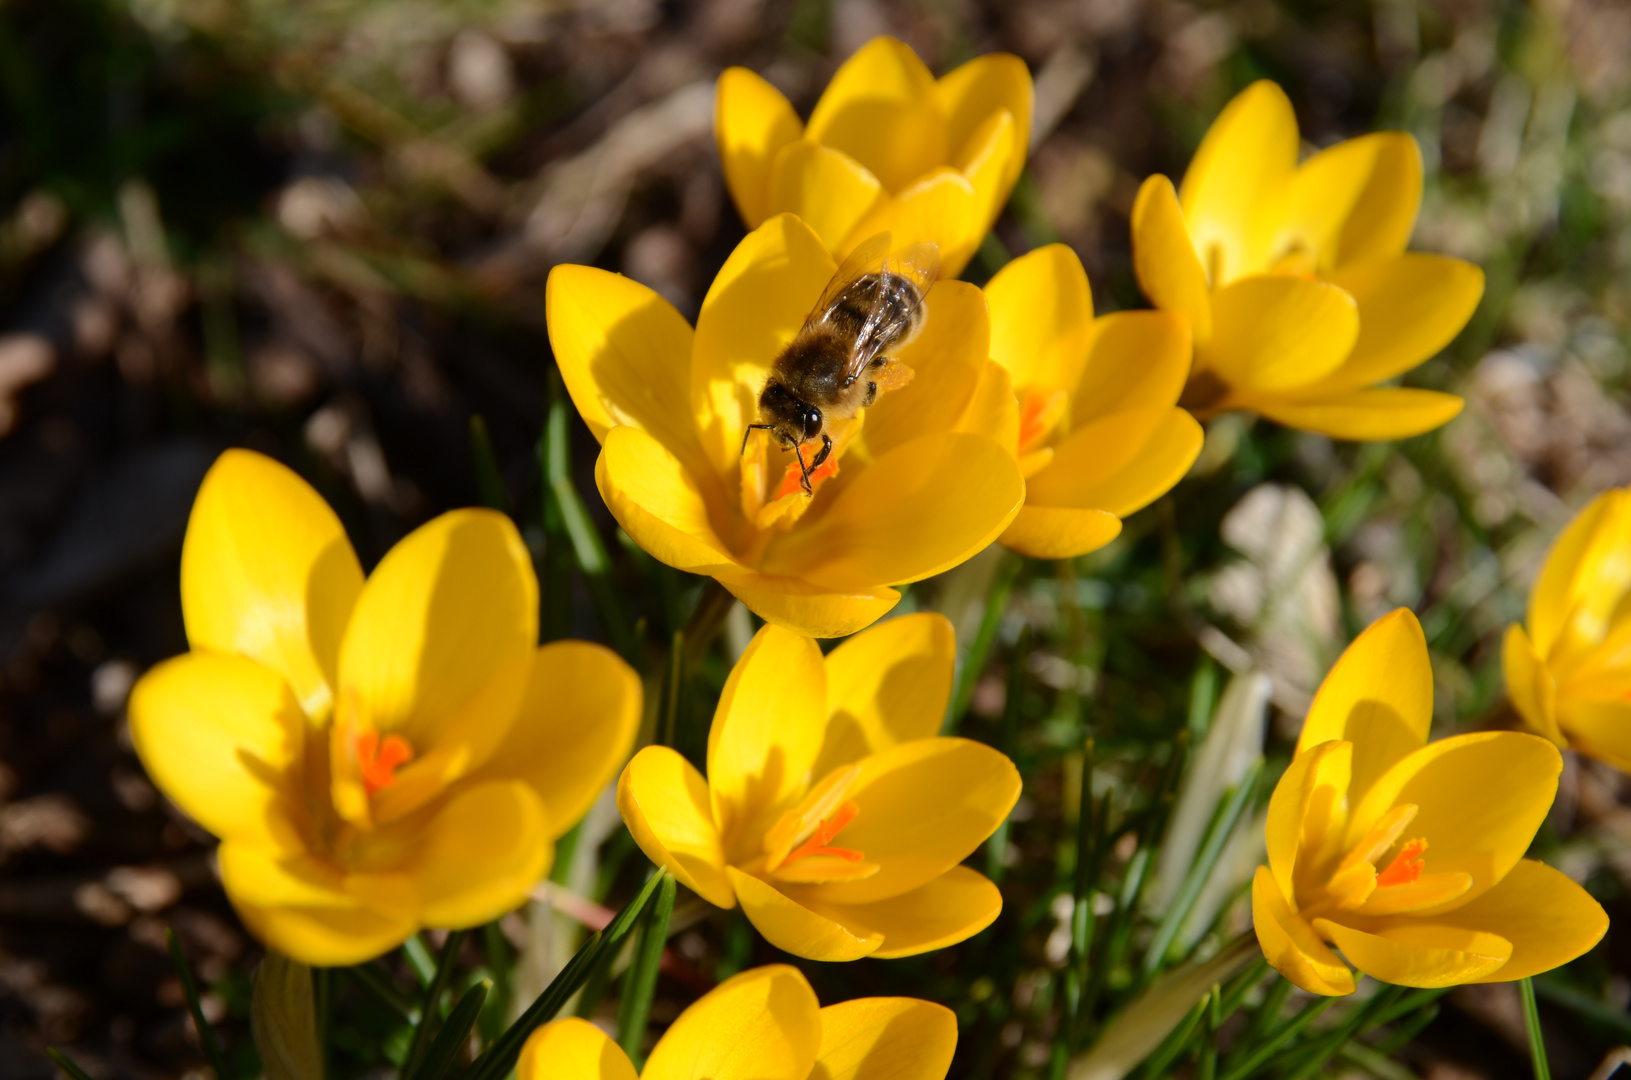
(1313, 214)
(942, 208)
(664, 802)
(1548, 919)
(970, 94)
(312, 912)
(752, 122)
(1272, 333)
(439, 648)
(267, 572)
(1246, 157)
(1135, 359)
(1378, 696)
(573, 731)
(624, 354)
(887, 686)
(1387, 412)
(1164, 256)
(765, 734)
(1530, 685)
(993, 411)
(1451, 781)
(480, 855)
(660, 505)
(885, 1039)
(1290, 945)
(812, 610)
(763, 1024)
(1586, 573)
(223, 738)
(755, 305)
(1059, 532)
(947, 359)
(794, 928)
(1599, 729)
(1164, 453)
(921, 508)
(924, 806)
(1307, 813)
(1407, 953)
(944, 911)
(574, 1049)
(1041, 309)
(1410, 307)
(829, 190)
(881, 110)
(1384, 216)
(989, 163)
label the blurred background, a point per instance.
(321, 229)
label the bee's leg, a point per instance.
(824, 452)
(805, 470)
(749, 431)
(871, 394)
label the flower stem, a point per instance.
(640, 984)
(206, 1032)
(706, 619)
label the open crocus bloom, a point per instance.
(1570, 675)
(1295, 279)
(764, 1024)
(1408, 856)
(377, 755)
(1100, 433)
(888, 149)
(917, 483)
(831, 811)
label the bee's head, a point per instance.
(790, 420)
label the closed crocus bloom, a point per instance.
(1570, 674)
(917, 483)
(1295, 279)
(1100, 433)
(764, 1024)
(831, 810)
(376, 755)
(1408, 856)
(888, 149)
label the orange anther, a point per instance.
(824, 834)
(1406, 867)
(378, 761)
(1031, 422)
(793, 478)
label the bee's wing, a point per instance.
(869, 256)
(918, 264)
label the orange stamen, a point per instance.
(824, 834)
(1406, 867)
(379, 761)
(791, 479)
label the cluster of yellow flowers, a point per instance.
(386, 754)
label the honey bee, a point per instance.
(840, 359)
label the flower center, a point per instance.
(824, 835)
(378, 760)
(799, 847)
(1406, 867)
(1039, 414)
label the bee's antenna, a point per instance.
(749, 431)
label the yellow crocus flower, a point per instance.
(1570, 674)
(1100, 433)
(831, 811)
(380, 755)
(1295, 278)
(924, 478)
(888, 149)
(1408, 856)
(764, 1024)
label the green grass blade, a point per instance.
(206, 1032)
(499, 1058)
(444, 1051)
(66, 1064)
(640, 984)
(974, 662)
(1531, 1022)
(1305, 1016)
(428, 1007)
(484, 462)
